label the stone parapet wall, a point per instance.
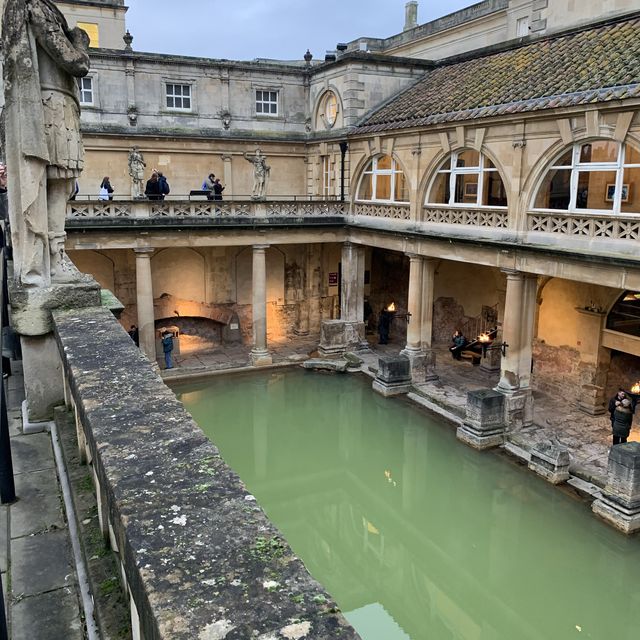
(199, 557)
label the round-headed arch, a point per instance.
(598, 174)
(466, 177)
(382, 180)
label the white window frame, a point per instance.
(171, 94)
(576, 167)
(374, 173)
(268, 102)
(522, 27)
(454, 171)
(82, 90)
(327, 176)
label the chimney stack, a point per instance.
(410, 15)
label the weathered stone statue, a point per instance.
(260, 174)
(136, 171)
(45, 156)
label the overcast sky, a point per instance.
(282, 29)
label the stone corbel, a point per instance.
(566, 132)
(623, 123)
(444, 141)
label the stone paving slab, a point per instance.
(41, 563)
(39, 506)
(48, 615)
(32, 452)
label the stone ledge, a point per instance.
(196, 549)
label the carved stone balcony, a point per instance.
(390, 211)
(209, 210)
(485, 217)
(585, 225)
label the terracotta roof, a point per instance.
(598, 64)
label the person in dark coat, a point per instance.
(217, 189)
(157, 187)
(134, 334)
(622, 419)
(384, 324)
(619, 397)
(167, 348)
(459, 342)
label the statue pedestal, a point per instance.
(394, 375)
(31, 309)
(483, 426)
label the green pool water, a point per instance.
(415, 535)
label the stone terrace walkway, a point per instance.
(587, 437)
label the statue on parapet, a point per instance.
(260, 174)
(45, 155)
(136, 171)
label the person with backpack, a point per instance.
(208, 185)
(157, 186)
(167, 348)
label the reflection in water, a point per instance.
(414, 534)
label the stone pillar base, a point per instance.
(491, 361)
(622, 518)
(423, 365)
(518, 408)
(551, 462)
(32, 427)
(592, 400)
(483, 426)
(340, 336)
(394, 376)
(619, 504)
(480, 439)
(260, 358)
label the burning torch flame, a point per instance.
(484, 337)
(636, 388)
(391, 307)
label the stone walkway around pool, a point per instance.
(587, 437)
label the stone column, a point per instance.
(259, 354)
(228, 176)
(352, 300)
(414, 320)
(517, 333)
(428, 286)
(144, 299)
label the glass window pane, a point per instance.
(364, 192)
(631, 191)
(565, 160)
(170, 102)
(440, 189)
(258, 107)
(383, 187)
(631, 155)
(384, 162)
(401, 191)
(494, 193)
(186, 103)
(467, 189)
(555, 190)
(468, 158)
(600, 151)
(596, 190)
(274, 108)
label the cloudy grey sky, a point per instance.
(282, 29)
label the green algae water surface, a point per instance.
(415, 535)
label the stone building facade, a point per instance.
(499, 183)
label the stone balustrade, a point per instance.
(203, 209)
(375, 210)
(468, 216)
(199, 558)
(585, 225)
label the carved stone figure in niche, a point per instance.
(45, 156)
(136, 171)
(260, 174)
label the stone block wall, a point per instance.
(179, 519)
(560, 370)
